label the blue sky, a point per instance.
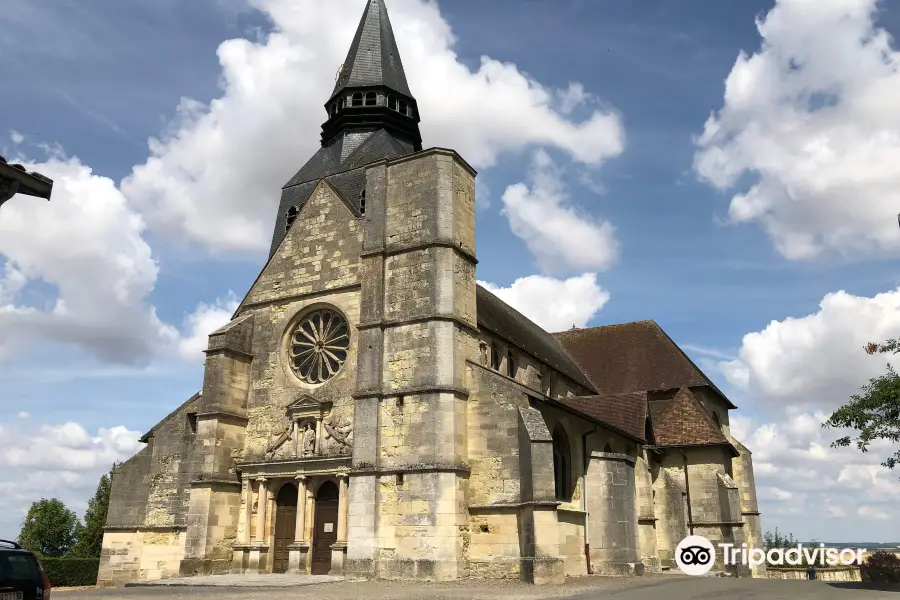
(97, 78)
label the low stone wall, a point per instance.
(836, 574)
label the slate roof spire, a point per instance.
(373, 59)
(371, 91)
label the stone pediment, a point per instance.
(308, 406)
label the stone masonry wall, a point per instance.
(320, 252)
(407, 510)
(613, 514)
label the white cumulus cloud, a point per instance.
(213, 177)
(811, 121)
(561, 236)
(816, 360)
(554, 304)
(55, 461)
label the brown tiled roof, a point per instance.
(624, 412)
(497, 316)
(682, 421)
(632, 357)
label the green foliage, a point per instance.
(89, 537)
(875, 412)
(49, 528)
(70, 571)
(880, 567)
(775, 539)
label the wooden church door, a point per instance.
(285, 523)
(325, 532)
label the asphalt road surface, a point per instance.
(588, 588)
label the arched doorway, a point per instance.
(285, 523)
(325, 532)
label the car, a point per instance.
(22, 575)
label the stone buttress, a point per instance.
(417, 328)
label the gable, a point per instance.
(682, 421)
(320, 251)
(633, 357)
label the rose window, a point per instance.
(318, 347)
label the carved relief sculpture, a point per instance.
(275, 442)
(338, 435)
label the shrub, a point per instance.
(880, 567)
(71, 572)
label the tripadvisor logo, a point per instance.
(696, 555)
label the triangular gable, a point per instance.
(682, 421)
(279, 264)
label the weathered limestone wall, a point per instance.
(530, 371)
(320, 252)
(407, 509)
(670, 508)
(646, 514)
(140, 556)
(148, 501)
(714, 499)
(221, 420)
(742, 468)
(612, 512)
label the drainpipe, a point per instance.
(584, 497)
(687, 493)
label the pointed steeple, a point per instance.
(373, 59)
(371, 91)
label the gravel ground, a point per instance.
(665, 587)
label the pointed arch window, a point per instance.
(362, 202)
(392, 103)
(290, 217)
(357, 99)
(495, 357)
(562, 464)
(371, 99)
(607, 448)
(718, 422)
(648, 432)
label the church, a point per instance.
(372, 412)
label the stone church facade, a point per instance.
(371, 411)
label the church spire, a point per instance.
(371, 91)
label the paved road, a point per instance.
(589, 588)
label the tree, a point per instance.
(89, 537)
(775, 539)
(49, 528)
(875, 412)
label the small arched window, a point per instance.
(562, 464)
(402, 107)
(357, 99)
(648, 432)
(290, 217)
(362, 202)
(371, 99)
(495, 357)
(392, 103)
(716, 420)
(607, 448)
(510, 364)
